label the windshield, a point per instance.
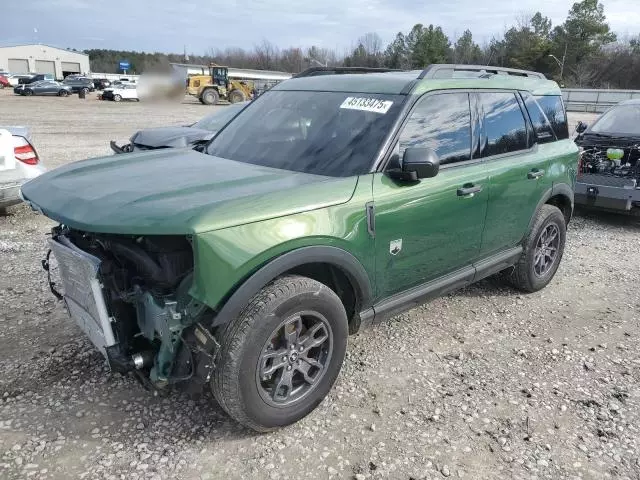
(619, 120)
(324, 133)
(220, 117)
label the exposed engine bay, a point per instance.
(622, 162)
(138, 312)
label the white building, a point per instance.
(38, 58)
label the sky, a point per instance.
(172, 25)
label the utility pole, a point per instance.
(561, 63)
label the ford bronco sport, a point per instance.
(327, 205)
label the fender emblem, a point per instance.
(395, 246)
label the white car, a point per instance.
(19, 162)
(121, 92)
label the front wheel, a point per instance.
(117, 98)
(236, 96)
(209, 97)
(63, 93)
(543, 249)
(283, 353)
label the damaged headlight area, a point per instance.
(130, 295)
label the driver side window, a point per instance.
(443, 123)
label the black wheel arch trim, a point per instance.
(335, 256)
(557, 189)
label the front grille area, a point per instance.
(83, 291)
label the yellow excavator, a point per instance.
(217, 86)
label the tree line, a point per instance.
(580, 52)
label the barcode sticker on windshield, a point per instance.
(367, 104)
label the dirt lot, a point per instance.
(484, 383)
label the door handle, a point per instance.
(535, 173)
(469, 190)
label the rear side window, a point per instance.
(443, 123)
(505, 129)
(541, 125)
(553, 107)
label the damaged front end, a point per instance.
(609, 174)
(129, 294)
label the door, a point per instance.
(433, 227)
(48, 88)
(46, 67)
(515, 165)
(18, 65)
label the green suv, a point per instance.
(330, 203)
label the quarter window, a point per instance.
(541, 124)
(553, 108)
(443, 123)
(505, 129)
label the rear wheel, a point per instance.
(209, 97)
(236, 96)
(543, 249)
(283, 353)
(117, 98)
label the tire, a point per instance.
(28, 93)
(237, 384)
(63, 93)
(85, 90)
(236, 96)
(210, 97)
(117, 98)
(528, 275)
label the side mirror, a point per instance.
(581, 127)
(417, 163)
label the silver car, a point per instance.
(19, 162)
(45, 87)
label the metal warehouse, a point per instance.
(40, 58)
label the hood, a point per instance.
(170, 137)
(176, 191)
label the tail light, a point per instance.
(24, 152)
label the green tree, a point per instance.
(395, 56)
(582, 35)
(427, 45)
(466, 51)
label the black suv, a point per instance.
(80, 83)
(35, 78)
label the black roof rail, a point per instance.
(475, 71)
(314, 71)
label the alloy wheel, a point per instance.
(294, 359)
(546, 251)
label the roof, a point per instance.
(394, 83)
(42, 45)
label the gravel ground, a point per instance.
(484, 383)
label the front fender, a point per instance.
(225, 259)
(276, 267)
